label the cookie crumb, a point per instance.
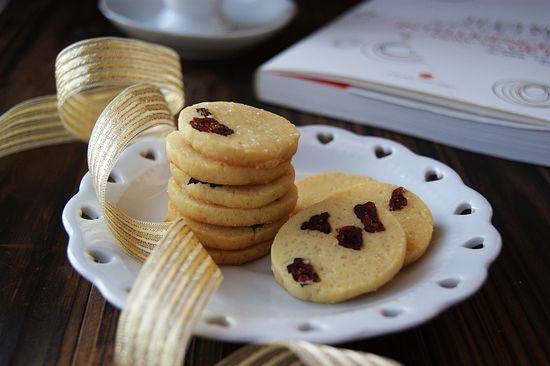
(204, 112)
(398, 199)
(209, 124)
(303, 272)
(369, 217)
(350, 237)
(318, 222)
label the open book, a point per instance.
(470, 74)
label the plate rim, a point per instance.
(248, 332)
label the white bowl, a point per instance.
(147, 20)
(250, 305)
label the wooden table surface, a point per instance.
(49, 314)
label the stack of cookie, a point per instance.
(232, 180)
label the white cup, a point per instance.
(193, 16)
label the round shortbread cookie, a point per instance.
(238, 134)
(199, 167)
(324, 253)
(228, 238)
(252, 196)
(316, 188)
(227, 216)
(238, 257)
(415, 217)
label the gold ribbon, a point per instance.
(135, 88)
(89, 74)
(301, 353)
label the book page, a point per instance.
(489, 55)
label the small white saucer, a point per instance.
(249, 22)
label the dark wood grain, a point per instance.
(50, 315)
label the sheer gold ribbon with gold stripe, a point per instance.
(89, 74)
(111, 91)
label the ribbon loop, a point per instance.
(136, 110)
(89, 74)
(178, 276)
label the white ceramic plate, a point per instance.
(250, 305)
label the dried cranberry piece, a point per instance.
(350, 237)
(209, 124)
(369, 217)
(318, 222)
(302, 272)
(195, 181)
(204, 112)
(398, 199)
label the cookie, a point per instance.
(228, 238)
(227, 216)
(414, 216)
(411, 212)
(338, 249)
(212, 171)
(172, 213)
(251, 196)
(317, 187)
(238, 134)
(238, 257)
